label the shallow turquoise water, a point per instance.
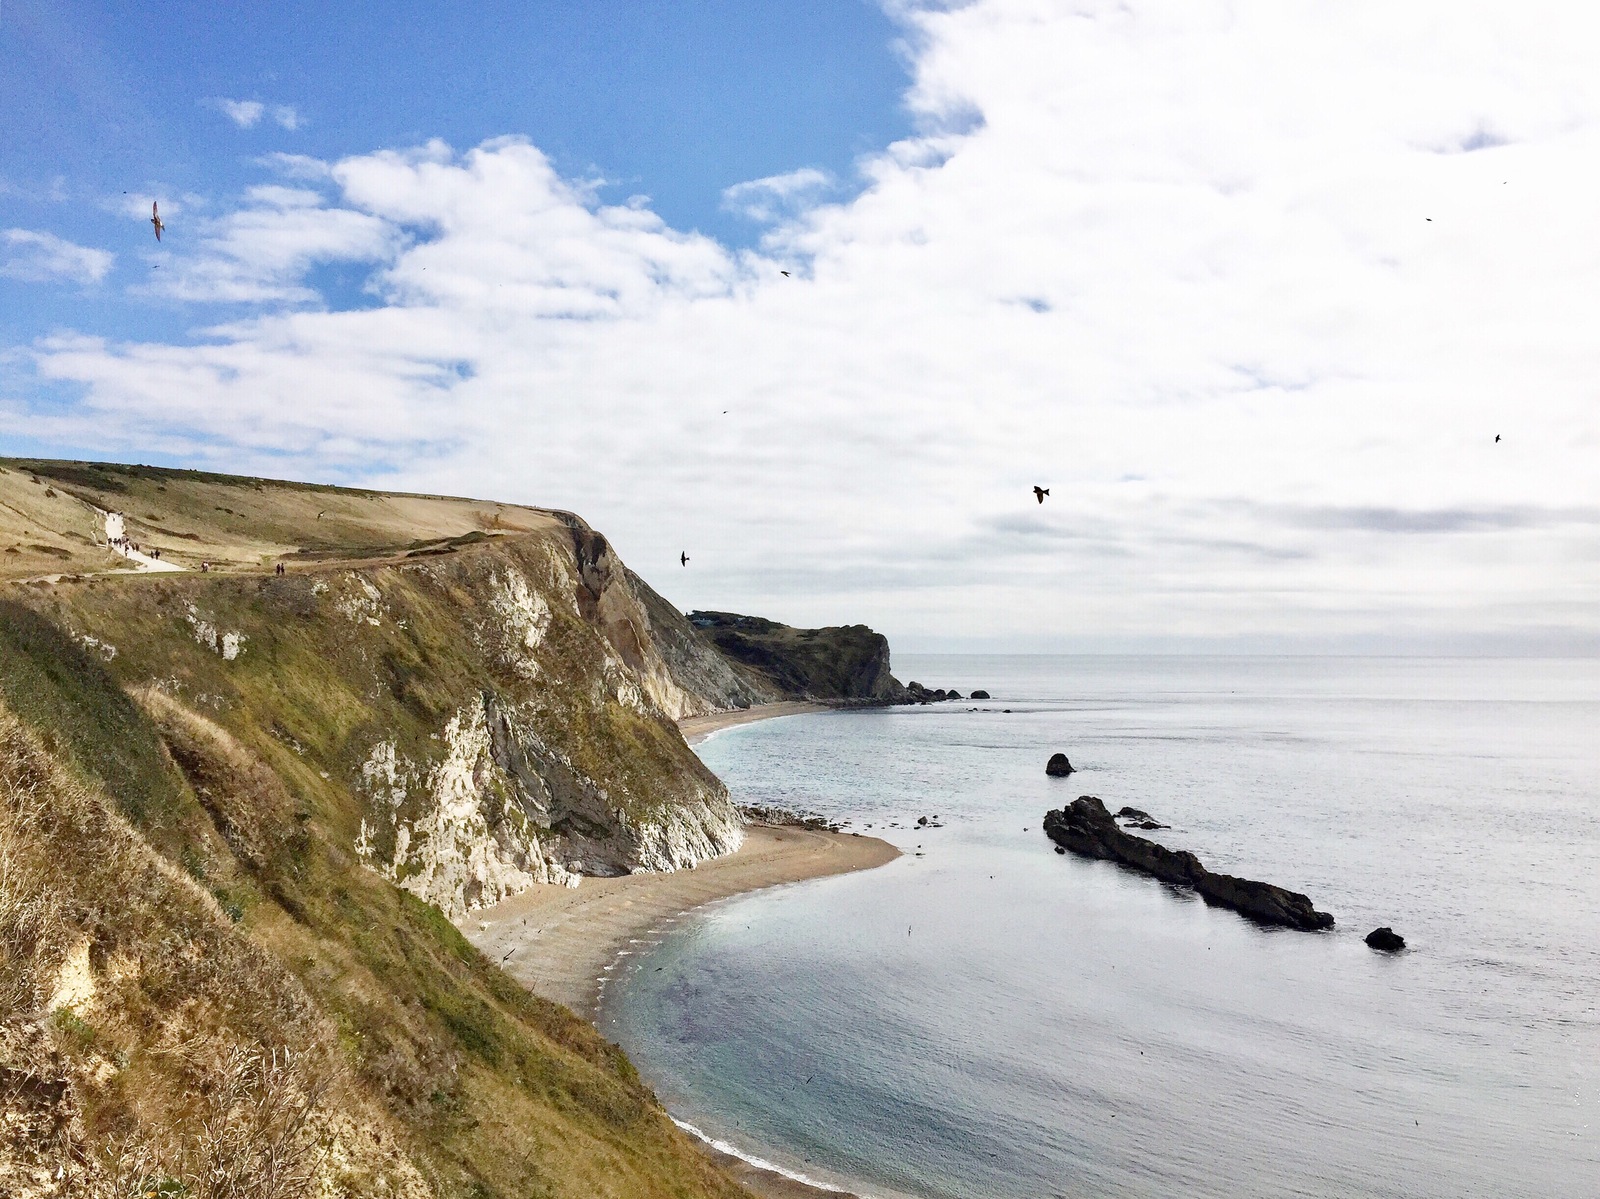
(991, 1019)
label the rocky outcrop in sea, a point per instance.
(1086, 828)
(1386, 940)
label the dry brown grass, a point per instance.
(230, 522)
(146, 1048)
(248, 803)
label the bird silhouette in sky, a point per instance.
(1040, 492)
(785, 274)
(1497, 437)
(155, 219)
(684, 558)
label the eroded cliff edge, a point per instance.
(841, 664)
(487, 714)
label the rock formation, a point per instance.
(1058, 767)
(492, 711)
(1087, 829)
(1386, 940)
(979, 695)
(849, 663)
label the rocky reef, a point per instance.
(1086, 828)
(916, 693)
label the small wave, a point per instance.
(761, 1163)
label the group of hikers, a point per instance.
(125, 546)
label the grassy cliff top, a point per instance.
(49, 523)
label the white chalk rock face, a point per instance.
(565, 762)
(501, 811)
(467, 846)
(229, 644)
(691, 834)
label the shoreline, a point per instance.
(563, 943)
(696, 729)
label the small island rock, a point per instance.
(979, 695)
(1087, 829)
(1386, 940)
(1058, 766)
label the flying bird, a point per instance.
(1040, 492)
(155, 219)
(1497, 437)
(785, 274)
(684, 558)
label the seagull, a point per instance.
(155, 219)
(684, 558)
(1497, 437)
(1040, 492)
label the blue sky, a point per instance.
(818, 292)
(673, 101)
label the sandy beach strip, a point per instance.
(563, 941)
(696, 729)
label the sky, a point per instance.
(817, 292)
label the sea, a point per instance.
(986, 1018)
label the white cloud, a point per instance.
(247, 114)
(296, 166)
(243, 113)
(778, 197)
(35, 257)
(1172, 260)
(260, 253)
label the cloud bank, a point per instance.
(1250, 286)
(35, 257)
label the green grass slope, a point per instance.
(205, 994)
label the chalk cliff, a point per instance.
(477, 713)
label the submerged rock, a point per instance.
(1386, 940)
(1133, 814)
(1058, 766)
(1087, 829)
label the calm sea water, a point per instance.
(992, 1019)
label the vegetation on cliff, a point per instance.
(235, 805)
